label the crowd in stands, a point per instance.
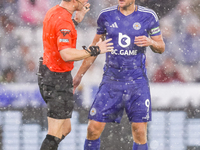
(21, 41)
(181, 33)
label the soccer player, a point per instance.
(125, 84)
(54, 76)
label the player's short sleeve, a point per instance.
(101, 28)
(65, 35)
(154, 28)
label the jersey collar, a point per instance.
(136, 8)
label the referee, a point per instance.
(54, 76)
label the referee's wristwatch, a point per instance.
(75, 22)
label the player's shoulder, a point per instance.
(108, 9)
(147, 11)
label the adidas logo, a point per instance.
(114, 25)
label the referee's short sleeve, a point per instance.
(65, 35)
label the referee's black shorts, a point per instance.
(57, 91)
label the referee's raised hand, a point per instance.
(81, 13)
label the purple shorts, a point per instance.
(114, 97)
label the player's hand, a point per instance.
(105, 46)
(143, 41)
(76, 82)
(80, 14)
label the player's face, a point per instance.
(81, 4)
(125, 3)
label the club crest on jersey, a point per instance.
(137, 26)
(93, 111)
(65, 31)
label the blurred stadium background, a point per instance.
(174, 79)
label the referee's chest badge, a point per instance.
(137, 26)
(93, 111)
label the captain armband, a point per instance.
(93, 50)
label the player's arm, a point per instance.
(156, 43)
(86, 63)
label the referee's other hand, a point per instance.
(79, 15)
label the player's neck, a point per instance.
(127, 10)
(68, 6)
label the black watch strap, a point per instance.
(75, 22)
